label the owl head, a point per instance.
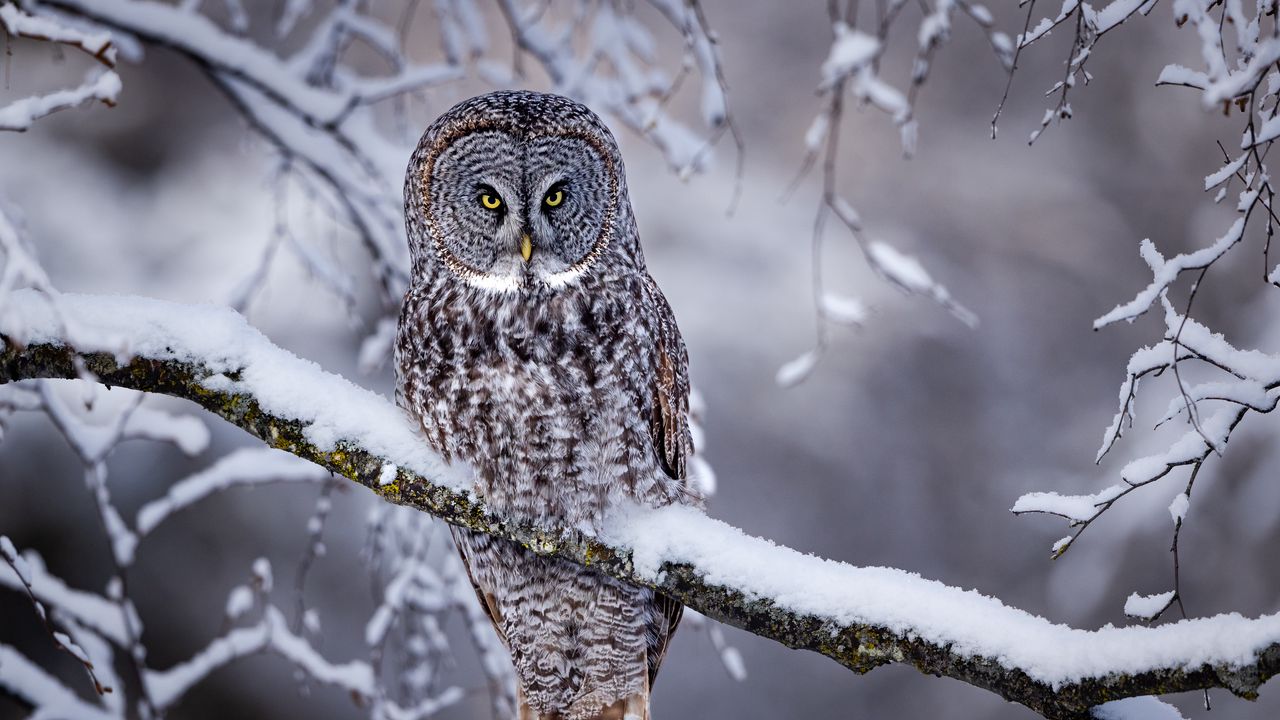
(517, 191)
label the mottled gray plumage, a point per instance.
(534, 347)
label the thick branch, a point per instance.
(860, 617)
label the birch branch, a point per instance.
(860, 617)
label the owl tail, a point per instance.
(635, 707)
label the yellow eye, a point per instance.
(554, 198)
(493, 202)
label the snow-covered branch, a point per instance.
(860, 617)
(100, 84)
(852, 70)
(1216, 385)
(341, 127)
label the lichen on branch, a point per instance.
(860, 617)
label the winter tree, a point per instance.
(196, 196)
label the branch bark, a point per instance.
(857, 644)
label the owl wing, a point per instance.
(669, 424)
(463, 540)
(672, 442)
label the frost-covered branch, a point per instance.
(861, 617)
(1216, 385)
(92, 628)
(100, 84)
(342, 128)
(852, 71)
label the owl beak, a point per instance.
(526, 246)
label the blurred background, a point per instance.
(905, 447)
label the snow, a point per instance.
(388, 474)
(1228, 85)
(90, 610)
(1165, 273)
(851, 49)
(901, 268)
(869, 88)
(331, 409)
(702, 476)
(198, 35)
(1226, 171)
(1187, 449)
(794, 371)
(1041, 29)
(1147, 607)
(1139, 708)
(1174, 74)
(1178, 508)
(972, 624)
(1115, 13)
(906, 272)
(817, 133)
(239, 601)
(981, 14)
(28, 681)
(846, 213)
(732, 660)
(19, 115)
(1076, 508)
(1247, 392)
(935, 26)
(70, 646)
(20, 23)
(289, 15)
(1253, 370)
(843, 310)
(189, 433)
(262, 575)
(377, 347)
(245, 466)
(10, 554)
(166, 687)
(1270, 130)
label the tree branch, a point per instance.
(860, 617)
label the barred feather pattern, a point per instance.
(560, 381)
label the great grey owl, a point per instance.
(534, 347)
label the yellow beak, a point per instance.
(526, 247)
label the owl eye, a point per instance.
(554, 198)
(490, 200)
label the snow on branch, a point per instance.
(344, 129)
(1216, 384)
(19, 115)
(99, 84)
(860, 617)
(22, 24)
(852, 70)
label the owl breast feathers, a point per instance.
(534, 348)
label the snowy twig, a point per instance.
(321, 109)
(1239, 47)
(861, 617)
(61, 640)
(100, 85)
(852, 68)
(19, 115)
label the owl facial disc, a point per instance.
(508, 209)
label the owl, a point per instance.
(534, 348)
